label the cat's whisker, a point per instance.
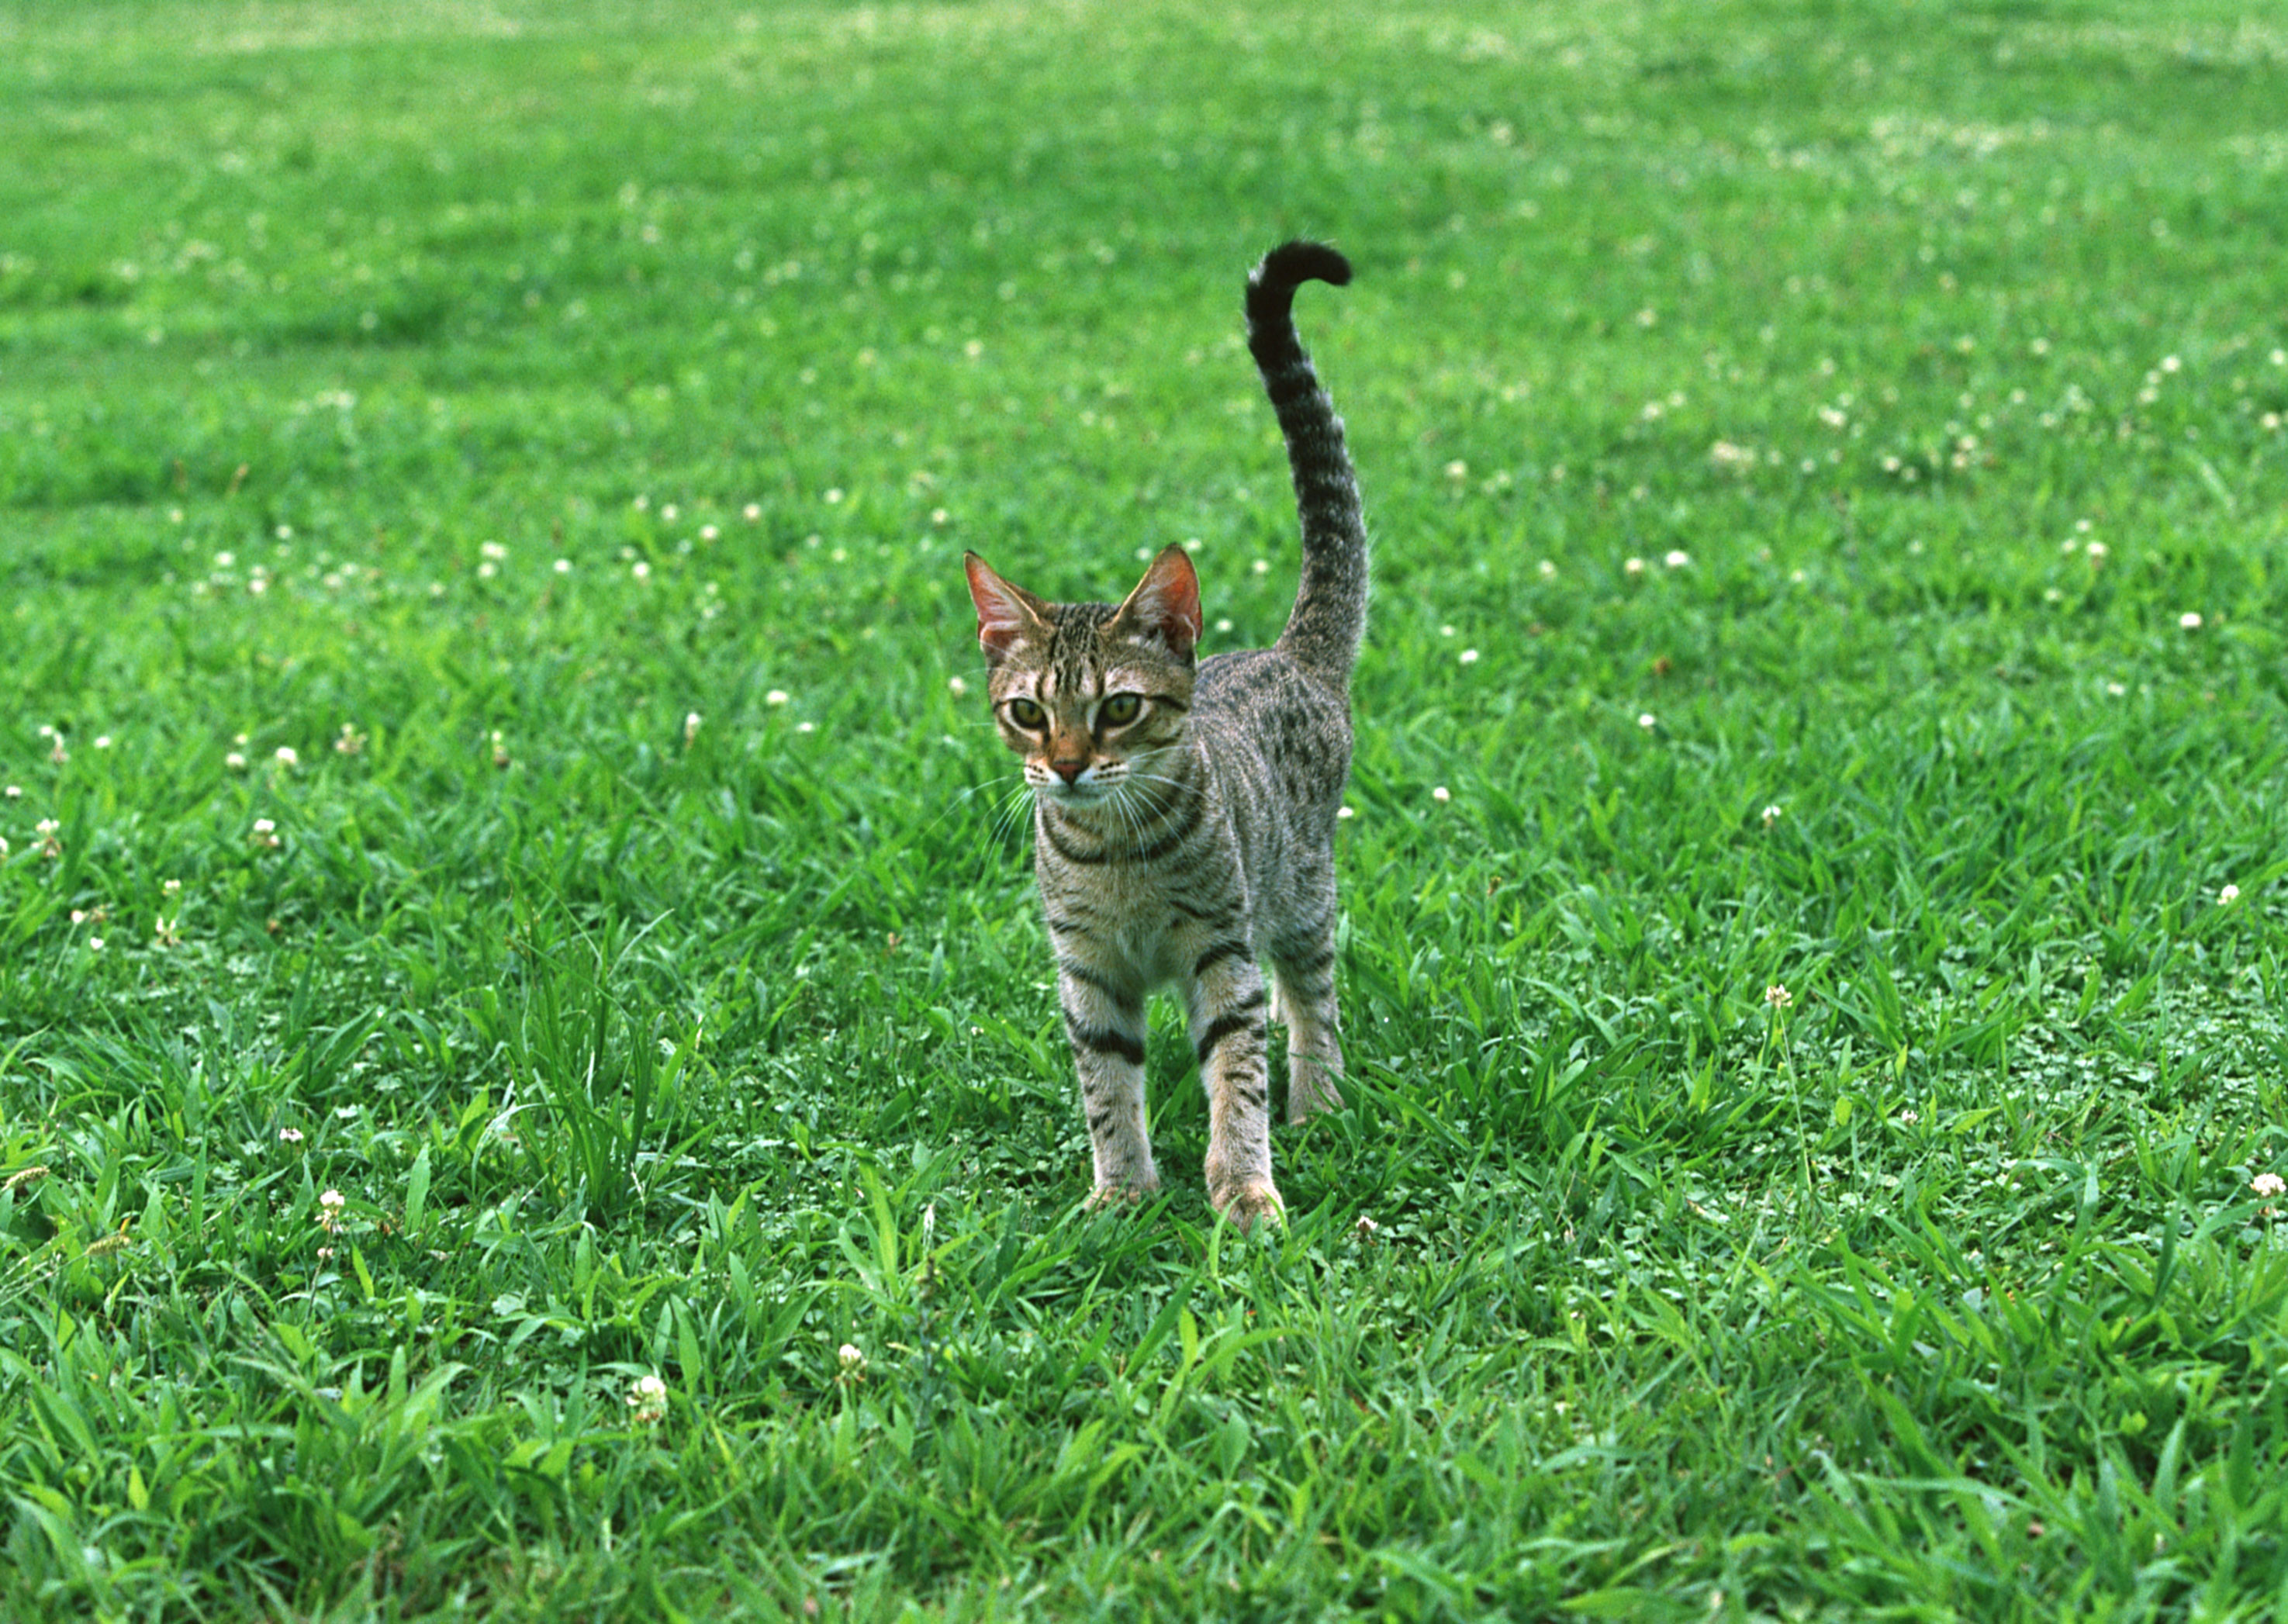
(992, 787)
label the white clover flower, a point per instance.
(1548, 571)
(1457, 470)
(834, 496)
(1261, 566)
(1647, 721)
(851, 1361)
(641, 569)
(286, 756)
(1633, 567)
(562, 566)
(752, 513)
(955, 686)
(669, 512)
(236, 761)
(1364, 1229)
(648, 1401)
(103, 741)
(1909, 1117)
(2228, 896)
(290, 1135)
(15, 792)
(777, 696)
(492, 550)
(2269, 1185)
(1779, 996)
(1468, 656)
(1772, 814)
(1344, 813)
(708, 533)
(2191, 620)
(1442, 795)
(1677, 559)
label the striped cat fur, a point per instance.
(1184, 812)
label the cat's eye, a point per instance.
(1026, 714)
(1120, 709)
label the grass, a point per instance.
(630, 942)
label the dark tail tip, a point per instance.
(1270, 287)
(1290, 265)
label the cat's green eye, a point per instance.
(1120, 709)
(1026, 714)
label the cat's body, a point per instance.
(1185, 814)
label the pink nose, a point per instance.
(1068, 771)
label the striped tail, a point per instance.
(1329, 615)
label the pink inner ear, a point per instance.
(1167, 601)
(1003, 613)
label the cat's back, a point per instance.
(1262, 714)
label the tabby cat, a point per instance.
(1184, 812)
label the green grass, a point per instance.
(640, 1045)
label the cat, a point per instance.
(1184, 812)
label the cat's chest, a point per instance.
(1147, 931)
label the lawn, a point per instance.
(530, 1083)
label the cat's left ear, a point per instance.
(1165, 603)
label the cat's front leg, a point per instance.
(1105, 1022)
(1226, 1006)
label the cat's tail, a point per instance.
(1329, 615)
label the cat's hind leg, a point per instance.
(1303, 981)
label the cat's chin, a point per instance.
(1061, 794)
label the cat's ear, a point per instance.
(1006, 613)
(1165, 603)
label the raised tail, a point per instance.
(1329, 615)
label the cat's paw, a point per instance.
(1107, 1197)
(1251, 1201)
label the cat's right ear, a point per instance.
(1006, 613)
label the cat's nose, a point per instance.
(1068, 771)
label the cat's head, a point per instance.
(1091, 695)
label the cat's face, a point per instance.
(1089, 695)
